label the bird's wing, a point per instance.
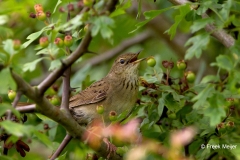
(93, 94)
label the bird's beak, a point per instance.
(137, 60)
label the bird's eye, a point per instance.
(122, 61)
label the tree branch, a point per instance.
(139, 38)
(27, 109)
(64, 143)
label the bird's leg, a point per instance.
(110, 147)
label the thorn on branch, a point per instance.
(63, 144)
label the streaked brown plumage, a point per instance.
(116, 92)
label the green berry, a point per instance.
(182, 65)
(190, 76)
(117, 142)
(122, 150)
(11, 94)
(151, 62)
(172, 116)
(85, 16)
(55, 100)
(68, 41)
(113, 116)
(59, 42)
(43, 41)
(100, 109)
(16, 44)
(41, 16)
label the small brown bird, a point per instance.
(116, 92)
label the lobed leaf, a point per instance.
(199, 42)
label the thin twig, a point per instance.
(27, 109)
(139, 38)
(64, 143)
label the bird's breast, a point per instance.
(123, 95)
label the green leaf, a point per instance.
(168, 89)
(8, 46)
(35, 35)
(215, 114)
(43, 51)
(53, 131)
(203, 154)
(224, 62)
(55, 64)
(6, 81)
(161, 103)
(80, 75)
(216, 109)
(5, 32)
(5, 106)
(192, 16)
(193, 117)
(104, 25)
(236, 47)
(149, 15)
(236, 151)
(120, 9)
(55, 8)
(62, 157)
(31, 66)
(210, 78)
(199, 42)
(71, 24)
(184, 10)
(171, 103)
(106, 32)
(3, 19)
(224, 12)
(43, 138)
(15, 129)
(194, 146)
(42, 117)
(139, 8)
(202, 96)
(201, 23)
(2, 157)
(181, 113)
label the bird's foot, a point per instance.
(110, 147)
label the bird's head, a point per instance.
(126, 64)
